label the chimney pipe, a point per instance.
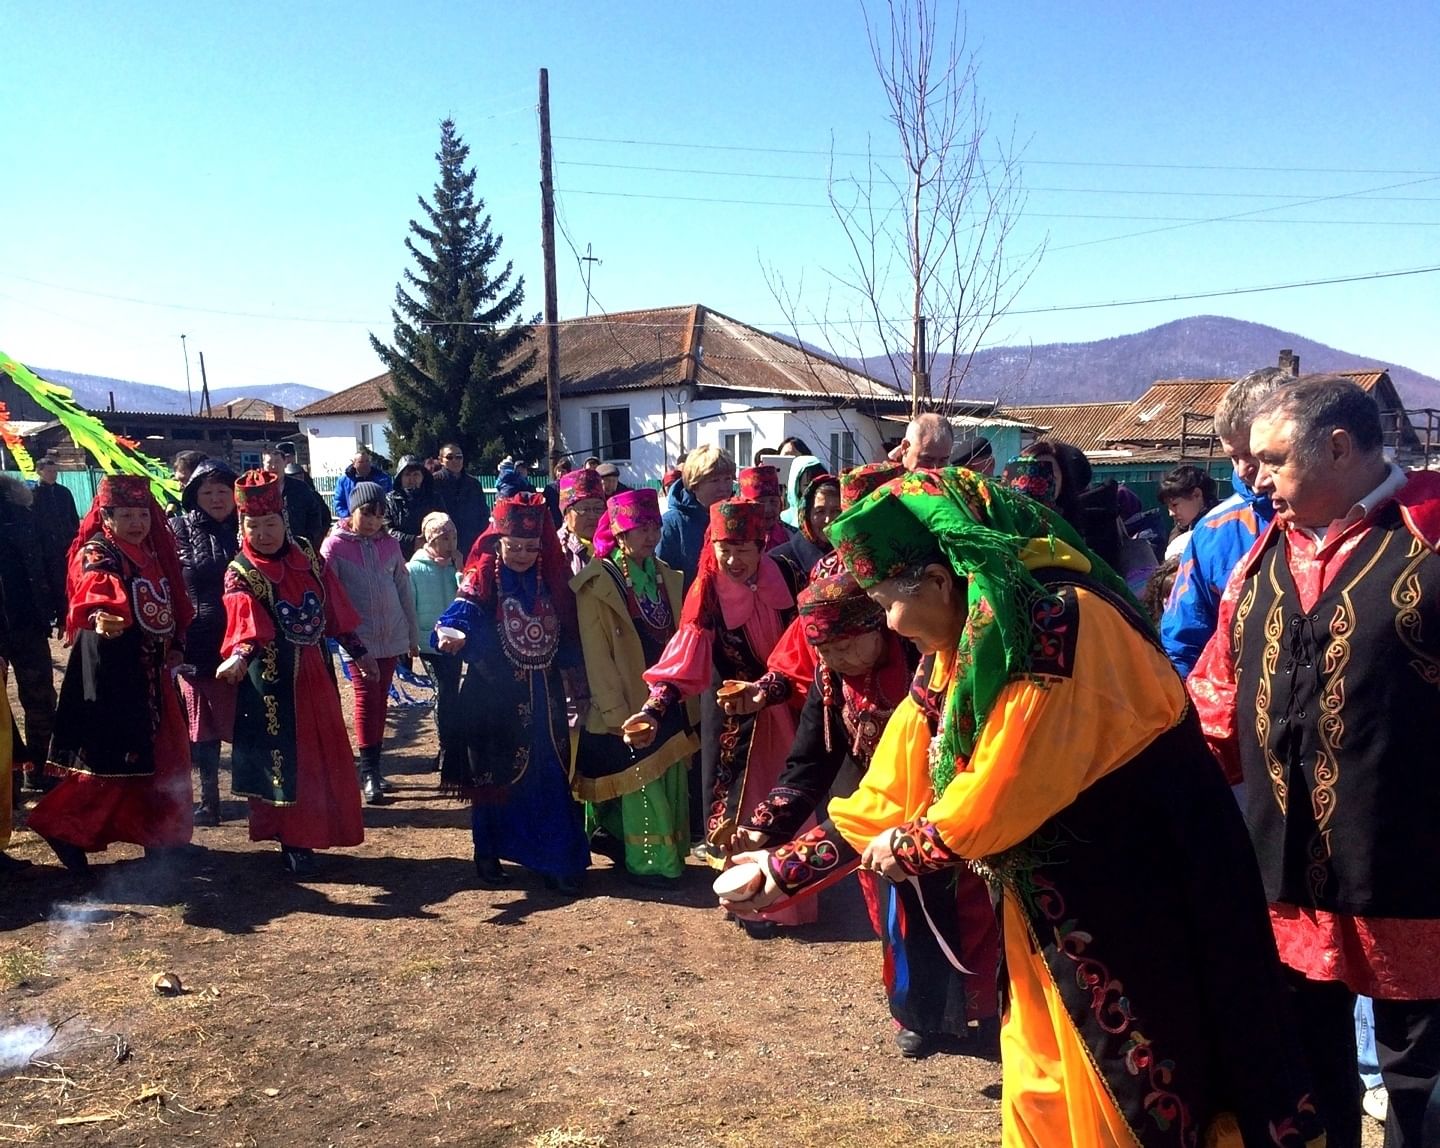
(1290, 361)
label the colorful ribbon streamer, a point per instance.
(113, 455)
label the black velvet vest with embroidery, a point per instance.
(1143, 900)
(1336, 709)
(111, 696)
(264, 755)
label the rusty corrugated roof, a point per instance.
(1079, 424)
(1156, 417)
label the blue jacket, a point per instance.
(1218, 541)
(347, 484)
(682, 532)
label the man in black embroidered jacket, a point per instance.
(1319, 691)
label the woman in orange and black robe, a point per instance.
(1052, 749)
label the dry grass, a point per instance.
(567, 1138)
(150, 960)
(20, 964)
(421, 968)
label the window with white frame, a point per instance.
(610, 434)
(842, 451)
(365, 435)
(737, 445)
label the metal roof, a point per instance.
(1079, 424)
(1157, 417)
(664, 347)
(359, 399)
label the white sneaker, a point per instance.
(1376, 1103)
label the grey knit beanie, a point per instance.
(364, 493)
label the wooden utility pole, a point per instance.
(919, 375)
(552, 307)
(204, 389)
(189, 398)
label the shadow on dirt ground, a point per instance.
(387, 999)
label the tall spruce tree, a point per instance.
(459, 354)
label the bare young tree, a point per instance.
(927, 231)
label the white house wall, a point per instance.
(659, 437)
(333, 439)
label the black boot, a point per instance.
(71, 856)
(370, 787)
(297, 862)
(565, 886)
(489, 871)
(206, 756)
(914, 1045)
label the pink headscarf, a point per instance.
(624, 511)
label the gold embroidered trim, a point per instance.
(1330, 723)
(1406, 597)
(1269, 663)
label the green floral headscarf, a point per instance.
(991, 536)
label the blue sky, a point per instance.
(244, 173)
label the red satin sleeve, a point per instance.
(97, 589)
(793, 658)
(247, 620)
(1214, 690)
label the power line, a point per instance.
(1184, 219)
(1098, 306)
(729, 173)
(818, 323)
(1272, 168)
(1228, 291)
(1244, 214)
(192, 307)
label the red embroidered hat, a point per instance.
(123, 490)
(580, 484)
(738, 520)
(523, 515)
(759, 482)
(257, 493)
(835, 607)
(855, 484)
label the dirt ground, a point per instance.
(389, 1000)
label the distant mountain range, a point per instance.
(95, 391)
(1202, 347)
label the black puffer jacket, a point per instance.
(206, 546)
(32, 588)
(307, 514)
(405, 509)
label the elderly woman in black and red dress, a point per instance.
(291, 753)
(120, 737)
(508, 749)
(940, 941)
